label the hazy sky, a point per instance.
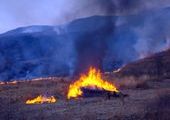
(18, 13)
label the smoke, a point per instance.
(127, 39)
(110, 51)
(18, 13)
(153, 35)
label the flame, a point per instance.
(92, 79)
(41, 99)
(117, 71)
(2, 83)
(13, 82)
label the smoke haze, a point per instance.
(18, 13)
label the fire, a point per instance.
(13, 82)
(2, 83)
(92, 79)
(41, 99)
(117, 71)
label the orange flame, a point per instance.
(41, 99)
(92, 79)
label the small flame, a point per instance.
(2, 83)
(92, 79)
(41, 99)
(13, 82)
(117, 71)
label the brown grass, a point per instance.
(131, 82)
(159, 109)
(13, 99)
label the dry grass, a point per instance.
(132, 82)
(30, 89)
(136, 106)
(159, 109)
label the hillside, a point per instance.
(66, 50)
(156, 66)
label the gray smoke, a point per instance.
(19, 13)
(153, 35)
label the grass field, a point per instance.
(147, 100)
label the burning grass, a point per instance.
(42, 99)
(93, 80)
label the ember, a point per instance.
(41, 99)
(93, 80)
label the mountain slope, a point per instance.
(106, 42)
(157, 66)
